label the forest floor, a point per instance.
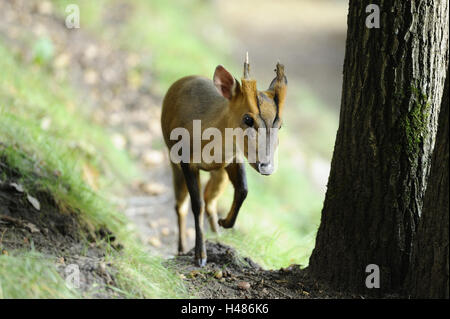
(103, 76)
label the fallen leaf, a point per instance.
(31, 227)
(90, 175)
(33, 201)
(4, 252)
(218, 274)
(17, 187)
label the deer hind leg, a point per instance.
(214, 188)
(181, 205)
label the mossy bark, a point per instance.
(392, 88)
(429, 270)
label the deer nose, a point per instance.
(265, 168)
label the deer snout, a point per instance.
(265, 168)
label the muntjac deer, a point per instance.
(221, 104)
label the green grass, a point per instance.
(31, 275)
(51, 158)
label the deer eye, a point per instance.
(248, 120)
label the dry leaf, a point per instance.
(31, 227)
(218, 274)
(17, 187)
(33, 201)
(90, 176)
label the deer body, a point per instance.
(220, 104)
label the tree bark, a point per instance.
(392, 88)
(429, 271)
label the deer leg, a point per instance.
(192, 178)
(181, 205)
(236, 174)
(215, 187)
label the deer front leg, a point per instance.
(236, 174)
(192, 178)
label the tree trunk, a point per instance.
(392, 88)
(428, 276)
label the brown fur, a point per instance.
(220, 104)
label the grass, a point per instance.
(55, 158)
(31, 275)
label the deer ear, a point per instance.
(279, 87)
(225, 83)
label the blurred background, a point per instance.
(87, 102)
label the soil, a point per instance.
(229, 275)
(101, 74)
(55, 234)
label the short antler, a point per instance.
(246, 68)
(280, 71)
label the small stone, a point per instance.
(90, 77)
(222, 279)
(218, 274)
(165, 231)
(244, 285)
(153, 189)
(62, 61)
(119, 141)
(102, 267)
(153, 224)
(153, 158)
(154, 241)
(182, 276)
(45, 7)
